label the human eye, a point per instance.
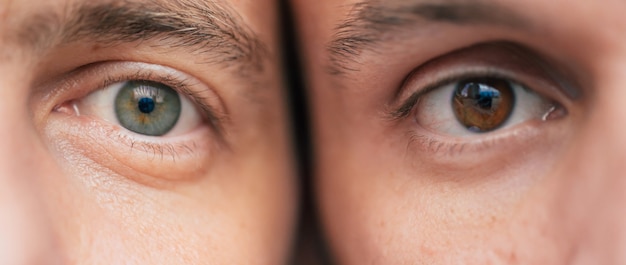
(146, 121)
(483, 104)
(481, 96)
(144, 107)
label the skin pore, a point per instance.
(80, 188)
(400, 181)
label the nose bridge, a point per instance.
(591, 186)
(18, 139)
(603, 146)
(25, 233)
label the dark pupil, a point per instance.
(146, 105)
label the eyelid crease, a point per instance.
(503, 60)
(558, 75)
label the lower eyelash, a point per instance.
(161, 150)
(430, 144)
(157, 149)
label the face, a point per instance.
(469, 132)
(142, 132)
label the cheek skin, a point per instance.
(25, 167)
(213, 217)
(386, 209)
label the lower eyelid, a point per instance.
(442, 148)
(143, 161)
(455, 148)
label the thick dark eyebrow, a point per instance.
(211, 31)
(372, 21)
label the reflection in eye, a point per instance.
(144, 107)
(148, 108)
(480, 105)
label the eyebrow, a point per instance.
(213, 32)
(372, 21)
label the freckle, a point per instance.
(96, 47)
(427, 251)
(451, 211)
(513, 257)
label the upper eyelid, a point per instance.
(179, 85)
(81, 81)
(534, 66)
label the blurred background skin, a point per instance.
(395, 186)
(77, 188)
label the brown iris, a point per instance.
(483, 104)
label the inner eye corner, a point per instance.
(68, 108)
(555, 112)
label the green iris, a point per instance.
(148, 108)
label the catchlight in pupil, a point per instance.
(483, 104)
(147, 107)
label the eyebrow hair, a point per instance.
(211, 31)
(372, 21)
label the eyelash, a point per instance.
(434, 144)
(181, 86)
(77, 85)
(452, 149)
(409, 104)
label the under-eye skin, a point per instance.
(476, 96)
